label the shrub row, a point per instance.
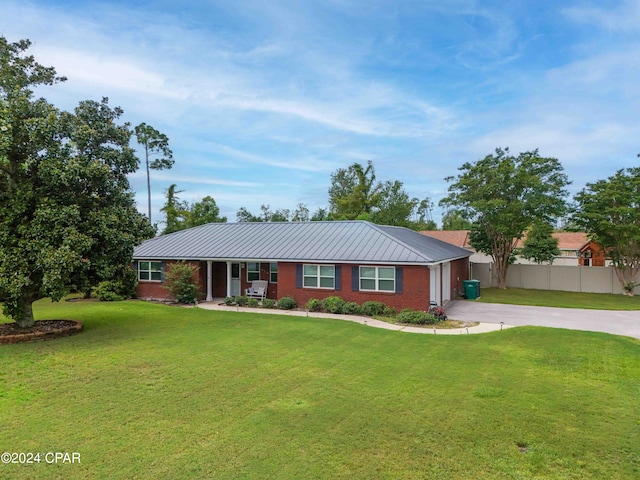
(338, 305)
(285, 303)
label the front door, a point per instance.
(235, 279)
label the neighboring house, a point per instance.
(355, 260)
(575, 248)
(592, 255)
(459, 238)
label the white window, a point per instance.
(253, 271)
(273, 272)
(378, 279)
(319, 276)
(150, 271)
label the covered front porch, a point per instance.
(231, 278)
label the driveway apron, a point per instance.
(617, 322)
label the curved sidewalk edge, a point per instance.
(367, 321)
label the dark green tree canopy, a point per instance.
(502, 195)
(609, 211)
(540, 245)
(67, 214)
(455, 220)
(355, 194)
(180, 215)
(353, 191)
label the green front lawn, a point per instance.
(150, 391)
(554, 298)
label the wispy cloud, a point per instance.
(624, 17)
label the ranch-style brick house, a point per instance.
(356, 260)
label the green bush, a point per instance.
(372, 309)
(242, 301)
(351, 308)
(314, 305)
(268, 303)
(109, 291)
(253, 303)
(229, 301)
(180, 282)
(332, 304)
(414, 317)
(389, 311)
(287, 303)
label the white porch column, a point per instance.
(228, 279)
(209, 280)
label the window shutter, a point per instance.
(298, 276)
(338, 279)
(164, 271)
(355, 279)
(399, 280)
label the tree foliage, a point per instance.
(175, 211)
(503, 195)
(300, 214)
(540, 245)
(609, 211)
(67, 214)
(180, 215)
(455, 220)
(155, 144)
(353, 191)
(355, 194)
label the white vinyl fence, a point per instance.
(552, 277)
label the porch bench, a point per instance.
(258, 289)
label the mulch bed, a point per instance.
(42, 330)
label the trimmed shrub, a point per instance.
(229, 301)
(121, 286)
(287, 303)
(268, 303)
(242, 301)
(314, 305)
(372, 309)
(414, 317)
(180, 282)
(109, 291)
(253, 303)
(332, 304)
(389, 312)
(351, 308)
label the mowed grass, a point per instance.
(150, 391)
(555, 298)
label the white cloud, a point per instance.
(625, 18)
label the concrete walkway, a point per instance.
(481, 328)
(625, 323)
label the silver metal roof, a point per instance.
(344, 242)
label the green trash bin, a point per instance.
(471, 289)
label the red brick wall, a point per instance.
(157, 290)
(459, 273)
(415, 293)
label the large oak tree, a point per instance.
(503, 195)
(67, 213)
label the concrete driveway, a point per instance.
(616, 322)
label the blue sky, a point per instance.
(263, 100)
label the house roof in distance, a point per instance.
(459, 238)
(344, 241)
(566, 240)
